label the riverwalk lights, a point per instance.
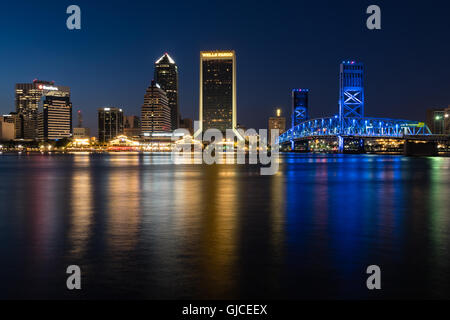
(230, 150)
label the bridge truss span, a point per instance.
(355, 126)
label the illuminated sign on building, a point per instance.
(44, 87)
(217, 54)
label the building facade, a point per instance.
(351, 97)
(187, 123)
(155, 112)
(81, 133)
(27, 99)
(299, 112)
(55, 113)
(110, 123)
(438, 120)
(217, 90)
(16, 119)
(277, 122)
(7, 128)
(166, 75)
(131, 126)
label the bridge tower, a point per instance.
(299, 106)
(351, 98)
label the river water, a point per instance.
(141, 227)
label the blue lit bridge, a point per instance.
(360, 127)
(357, 135)
(350, 131)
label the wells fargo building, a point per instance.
(217, 90)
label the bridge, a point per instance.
(358, 127)
(351, 130)
(355, 134)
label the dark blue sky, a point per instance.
(280, 45)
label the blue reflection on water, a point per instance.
(141, 227)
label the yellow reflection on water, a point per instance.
(81, 206)
(220, 191)
(123, 198)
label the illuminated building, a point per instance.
(27, 98)
(55, 113)
(131, 126)
(110, 123)
(277, 122)
(81, 133)
(166, 75)
(155, 112)
(438, 120)
(16, 119)
(188, 124)
(217, 90)
(7, 128)
(123, 143)
(299, 106)
(351, 98)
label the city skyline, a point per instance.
(123, 72)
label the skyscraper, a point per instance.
(351, 98)
(277, 122)
(27, 98)
(299, 106)
(217, 90)
(155, 113)
(166, 75)
(55, 113)
(110, 123)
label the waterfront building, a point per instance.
(110, 123)
(155, 112)
(217, 90)
(166, 75)
(351, 97)
(7, 128)
(27, 99)
(17, 120)
(55, 113)
(299, 112)
(277, 122)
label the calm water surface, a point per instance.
(141, 227)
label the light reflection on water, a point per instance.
(141, 227)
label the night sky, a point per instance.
(279, 45)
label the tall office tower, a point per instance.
(28, 96)
(351, 98)
(299, 106)
(55, 114)
(166, 75)
(217, 90)
(131, 126)
(110, 123)
(155, 113)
